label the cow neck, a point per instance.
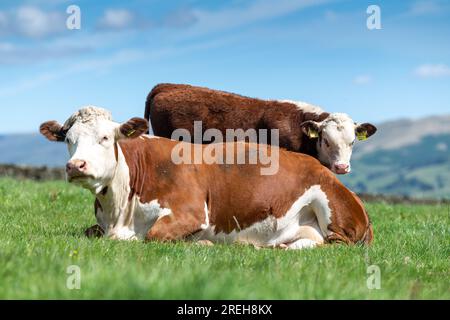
(113, 199)
(139, 157)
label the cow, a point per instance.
(302, 127)
(140, 193)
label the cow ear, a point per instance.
(133, 128)
(364, 131)
(53, 131)
(310, 128)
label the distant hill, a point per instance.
(403, 132)
(31, 149)
(405, 157)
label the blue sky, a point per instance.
(315, 51)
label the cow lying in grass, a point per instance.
(141, 194)
(302, 127)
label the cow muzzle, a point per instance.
(341, 168)
(76, 169)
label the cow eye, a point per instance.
(326, 142)
(105, 138)
(353, 142)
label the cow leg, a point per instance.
(177, 226)
(307, 236)
(310, 232)
(94, 232)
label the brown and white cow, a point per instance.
(302, 127)
(141, 194)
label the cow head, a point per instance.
(335, 137)
(91, 137)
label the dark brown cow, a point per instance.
(141, 193)
(303, 128)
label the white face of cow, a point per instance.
(91, 147)
(92, 137)
(335, 137)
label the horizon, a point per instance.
(320, 52)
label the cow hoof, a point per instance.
(94, 232)
(205, 243)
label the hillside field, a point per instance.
(41, 235)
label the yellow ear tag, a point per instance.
(362, 135)
(312, 133)
(129, 134)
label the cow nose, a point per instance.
(341, 168)
(76, 167)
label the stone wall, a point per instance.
(33, 173)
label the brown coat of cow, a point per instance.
(174, 106)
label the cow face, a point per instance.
(335, 137)
(91, 137)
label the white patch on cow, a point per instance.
(304, 106)
(123, 234)
(146, 214)
(206, 224)
(303, 244)
(117, 215)
(311, 209)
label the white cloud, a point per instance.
(420, 8)
(432, 71)
(23, 54)
(181, 18)
(6, 47)
(3, 20)
(35, 23)
(331, 16)
(362, 79)
(31, 22)
(100, 65)
(258, 10)
(117, 19)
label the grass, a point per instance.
(41, 235)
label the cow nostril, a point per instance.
(83, 165)
(341, 166)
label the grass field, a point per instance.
(41, 235)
